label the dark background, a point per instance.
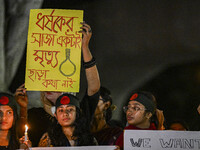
(150, 45)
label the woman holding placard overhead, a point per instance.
(70, 127)
(49, 98)
(139, 111)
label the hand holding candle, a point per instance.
(26, 134)
(25, 143)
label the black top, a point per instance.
(4, 148)
(38, 121)
(81, 124)
(88, 106)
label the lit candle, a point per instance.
(26, 133)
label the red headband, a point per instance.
(4, 100)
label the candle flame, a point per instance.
(26, 128)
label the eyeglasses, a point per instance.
(132, 109)
(102, 99)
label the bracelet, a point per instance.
(90, 63)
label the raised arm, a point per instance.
(92, 74)
(22, 100)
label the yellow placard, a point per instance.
(54, 50)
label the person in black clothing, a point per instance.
(69, 127)
(44, 117)
(104, 131)
(8, 119)
(38, 118)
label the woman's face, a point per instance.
(66, 115)
(102, 106)
(135, 114)
(6, 117)
(52, 96)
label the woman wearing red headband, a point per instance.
(70, 127)
(8, 118)
(40, 118)
(139, 111)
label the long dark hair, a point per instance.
(106, 95)
(153, 118)
(13, 141)
(152, 98)
(81, 132)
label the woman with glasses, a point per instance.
(139, 111)
(69, 127)
(101, 126)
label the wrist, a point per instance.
(23, 107)
(23, 112)
(90, 63)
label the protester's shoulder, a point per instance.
(91, 98)
(116, 129)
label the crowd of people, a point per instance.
(66, 120)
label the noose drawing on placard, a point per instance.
(67, 67)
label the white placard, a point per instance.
(75, 148)
(161, 140)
